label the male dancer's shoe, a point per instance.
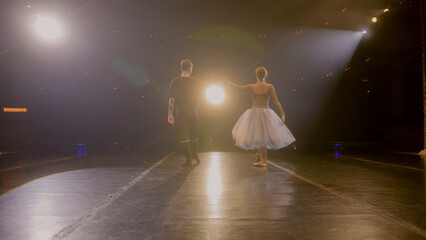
(187, 164)
(194, 151)
(187, 153)
(196, 158)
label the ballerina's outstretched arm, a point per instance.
(242, 87)
(277, 103)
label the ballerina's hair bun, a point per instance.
(261, 73)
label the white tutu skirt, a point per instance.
(260, 126)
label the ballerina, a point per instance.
(260, 127)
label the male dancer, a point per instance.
(184, 92)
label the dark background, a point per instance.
(105, 81)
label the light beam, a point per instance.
(215, 94)
(47, 28)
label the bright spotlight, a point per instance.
(386, 10)
(48, 28)
(364, 32)
(374, 19)
(215, 94)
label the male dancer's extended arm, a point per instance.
(170, 117)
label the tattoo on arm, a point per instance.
(171, 105)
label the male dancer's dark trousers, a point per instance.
(187, 123)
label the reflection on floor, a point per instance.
(298, 196)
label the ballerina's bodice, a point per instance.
(260, 99)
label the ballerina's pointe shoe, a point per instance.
(260, 164)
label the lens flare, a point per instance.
(215, 94)
(48, 28)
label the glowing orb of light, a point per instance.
(215, 94)
(374, 19)
(364, 32)
(48, 28)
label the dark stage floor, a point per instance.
(149, 196)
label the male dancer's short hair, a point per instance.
(185, 65)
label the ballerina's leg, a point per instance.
(264, 154)
(258, 159)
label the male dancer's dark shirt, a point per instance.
(186, 92)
